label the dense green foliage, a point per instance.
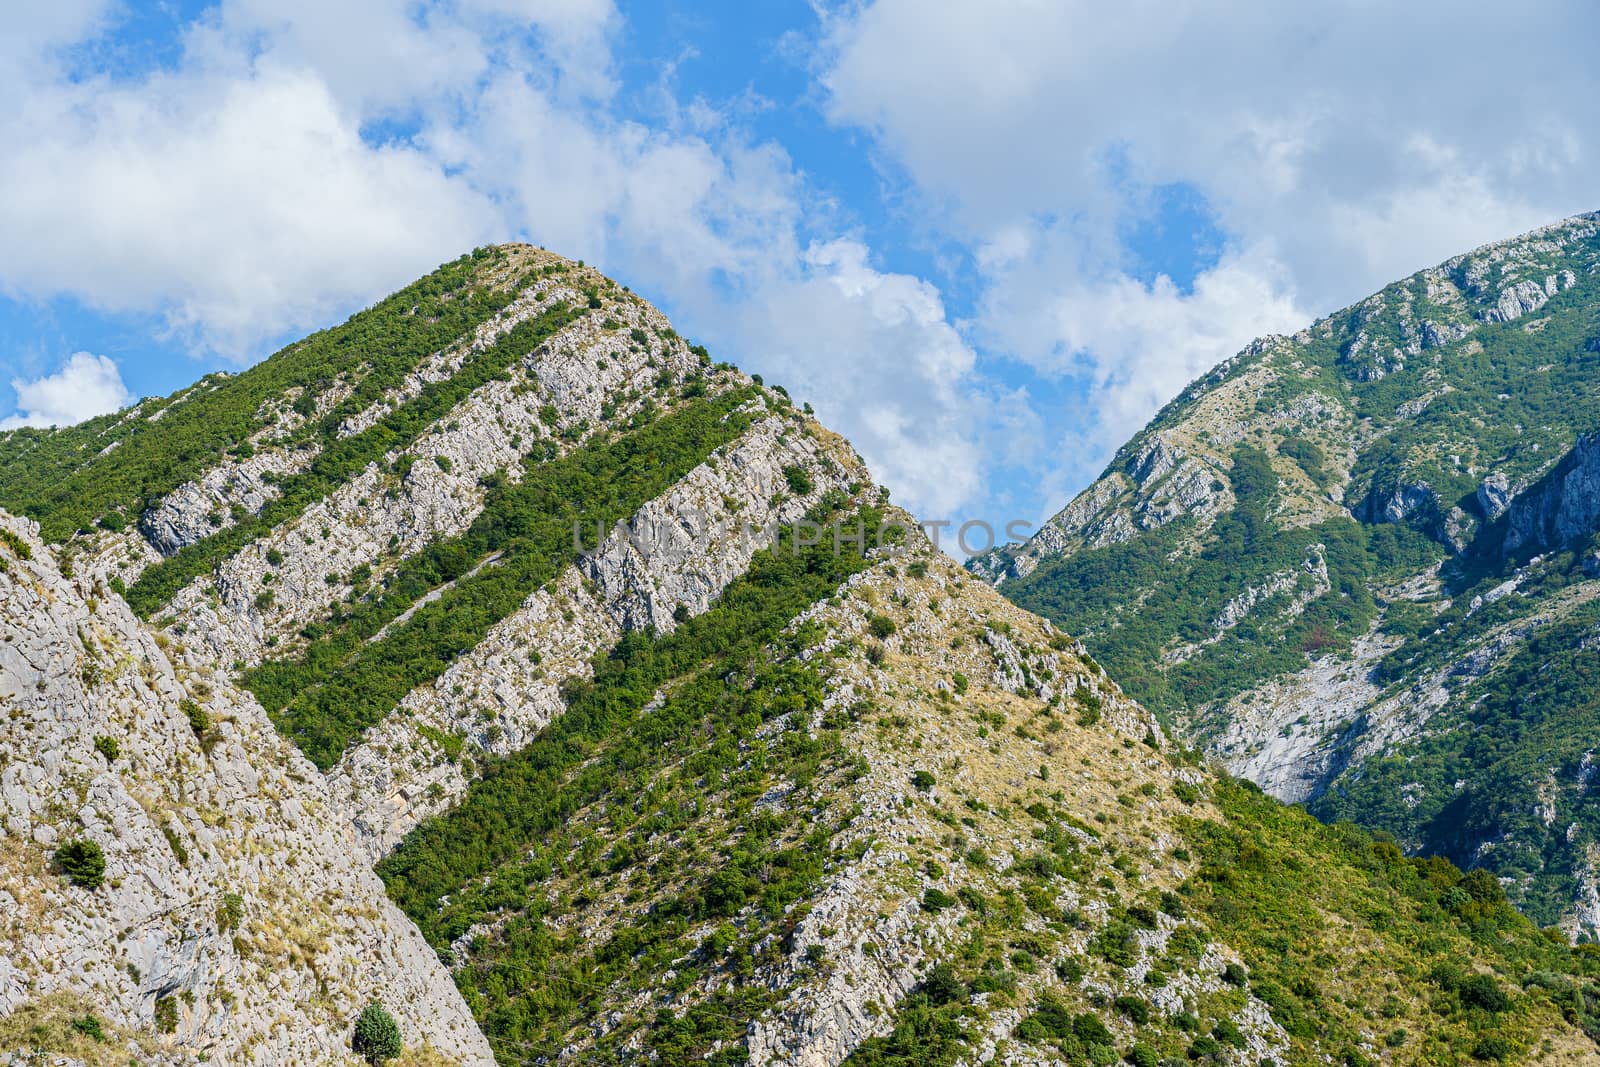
(1309, 456)
(67, 481)
(1347, 942)
(83, 862)
(376, 1037)
(341, 458)
(166, 1014)
(928, 1030)
(352, 675)
(610, 797)
(1270, 876)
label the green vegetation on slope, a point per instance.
(1333, 924)
(342, 458)
(613, 797)
(1521, 739)
(1133, 600)
(1356, 951)
(1513, 405)
(345, 684)
(65, 480)
(1509, 397)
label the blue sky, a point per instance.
(985, 241)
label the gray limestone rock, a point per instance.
(677, 553)
(1517, 300)
(1494, 495)
(231, 889)
(1562, 506)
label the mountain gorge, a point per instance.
(1358, 565)
(499, 665)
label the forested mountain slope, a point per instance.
(716, 780)
(1359, 564)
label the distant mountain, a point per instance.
(1359, 565)
(499, 671)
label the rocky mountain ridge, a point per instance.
(475, 658)
(1434, 447)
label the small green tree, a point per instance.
(377, 1035)
(83, 862)
(943, 986)
(230, 912)
(198, 719)
(1482, 991)
(166, 1011)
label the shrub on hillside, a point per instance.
(377, 1036)
(83, 862)
(198, 719)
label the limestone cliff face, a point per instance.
(675, 554)
(382, 516)
(1563, 507)
(237, 921)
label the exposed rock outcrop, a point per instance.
(677, 553)
(1398, 504)
(1494, 495)
(235, 918)
(1562, 506)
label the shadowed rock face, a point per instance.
(1563, 507)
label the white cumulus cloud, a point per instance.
(237, 206)
(1338, 146)
(876, 355)
(241, 194)
(1134, 344)
(88, 385)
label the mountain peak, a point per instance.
(498, 670)
(1325, 559)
